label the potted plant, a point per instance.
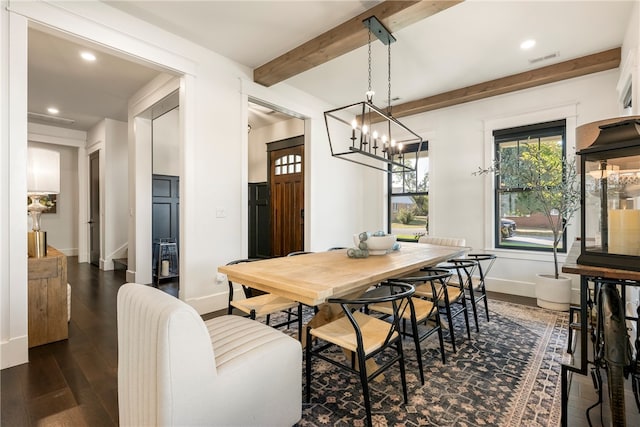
(552, 183)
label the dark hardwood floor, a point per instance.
(74, 382)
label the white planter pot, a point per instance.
(552, 293)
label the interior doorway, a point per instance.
(92, 96)
(165, 191)
(276, 195)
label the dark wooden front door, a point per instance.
(287, 200)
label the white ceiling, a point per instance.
(469, 43)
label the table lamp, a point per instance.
(43, 178)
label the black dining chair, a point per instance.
(257, 304)
(452, 301)
(424, 315)
(463, 270)
(485, 262)
(365, 336)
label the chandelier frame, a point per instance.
(372, 143)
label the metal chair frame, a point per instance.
(465, 268)
(447, 303)
(399, 295)
(488, 259)
(432, 276)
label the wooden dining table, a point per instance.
(315, 277)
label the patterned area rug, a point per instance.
(506, 375)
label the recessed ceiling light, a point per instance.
(88, 56)
(53, 110)
(527, 44)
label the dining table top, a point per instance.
(313, 278)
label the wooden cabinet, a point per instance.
(48, 298)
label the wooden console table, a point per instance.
(587, 273)
(48, 298)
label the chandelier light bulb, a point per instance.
(393, 142)
(354, 124)
(365, 129)
(400, 146)
(369, 94)
(384, 138)
(375, 134)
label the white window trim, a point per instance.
(567, 112)
(626, 82)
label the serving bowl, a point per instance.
(380, 245)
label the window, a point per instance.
(520, 222)
(627, 99)
(288, 164)
(409, 197)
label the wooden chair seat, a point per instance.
(424, 291)
(341, 333)
(263, 305)
(423, 308)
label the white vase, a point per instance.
(552, 293)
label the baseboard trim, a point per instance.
(209, 303)
(131, 276)
(524, 289)
(14, 352)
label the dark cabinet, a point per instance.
(259, 224)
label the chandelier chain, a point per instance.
(369, 89)
(389, 80)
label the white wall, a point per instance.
(109, 137)
(116, 192)
(259, 137)
(460, 204)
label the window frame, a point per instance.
(411, 148)
(517, 134)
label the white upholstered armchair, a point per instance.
(176, 369)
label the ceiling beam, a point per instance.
(346, 37)
(602, 61)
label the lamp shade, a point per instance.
(43, 171)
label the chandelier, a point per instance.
(368, 135)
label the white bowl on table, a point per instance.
(378, 245)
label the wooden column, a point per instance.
(48, 298)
